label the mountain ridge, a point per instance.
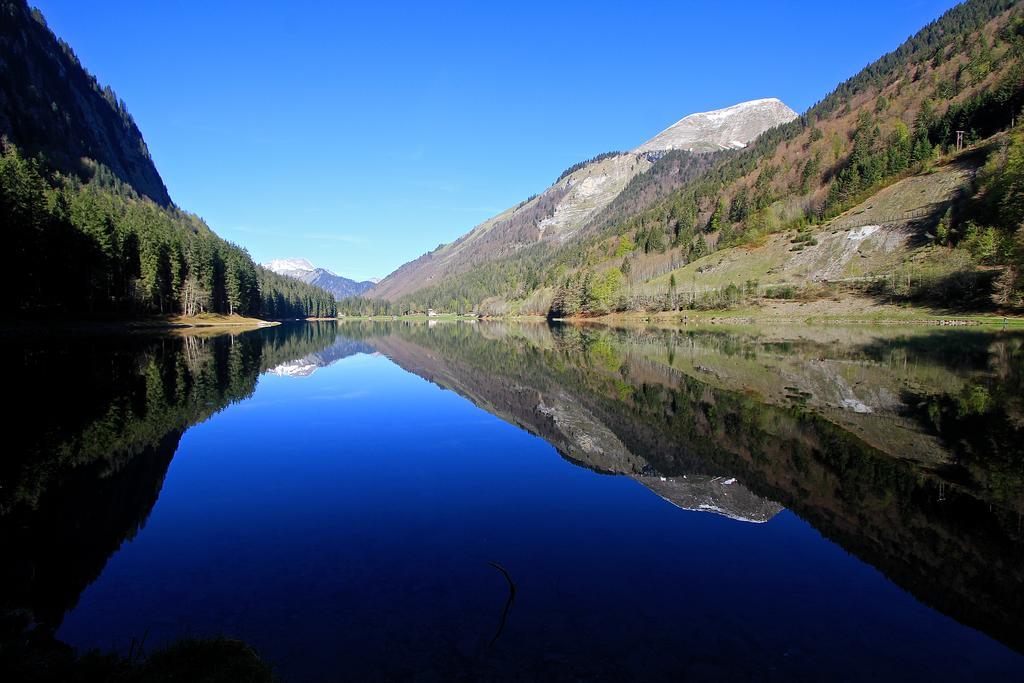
(81, 127)
(896, 118)
(731, 127)
(303, 270)
(560, 212)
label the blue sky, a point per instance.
(361, 135)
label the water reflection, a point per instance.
(96, 423)
(904, 447)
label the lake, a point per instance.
(503, 501)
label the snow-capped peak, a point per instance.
(289, 266)
(729, 128)
(301, 269)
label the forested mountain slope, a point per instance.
(89, 227)
(897, 118)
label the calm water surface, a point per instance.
(757, 504)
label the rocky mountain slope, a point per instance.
(564, 210)
(50, 104)
(301, 269)
(730, 128)
(791, 207)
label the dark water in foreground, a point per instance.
(693, 504)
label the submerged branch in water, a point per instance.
(508, 603)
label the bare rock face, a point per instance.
(718, 495)
(565, 209)
(730, 128)
(587, 441)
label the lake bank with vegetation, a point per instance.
(107, 324)
(820, 312)
(824, 312)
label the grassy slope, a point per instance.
(871, 239)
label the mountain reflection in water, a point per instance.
(903, 447)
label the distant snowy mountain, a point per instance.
(301, 269)
(729, 128)
(307, 365)
(291, 267)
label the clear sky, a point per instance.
(360, 135)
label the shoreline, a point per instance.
(770, 315)
(748, 316)
(153, 324)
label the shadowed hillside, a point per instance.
(50, 105)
